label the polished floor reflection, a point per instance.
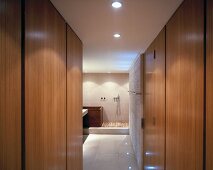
(109, 152)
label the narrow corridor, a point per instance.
(106, 84)
(109, 152)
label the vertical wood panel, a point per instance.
(74, 102)
(154, 113)
(209, 87)
(45, 81)
(185, 87)
(10, 85)
(159, 101)
(149, 133)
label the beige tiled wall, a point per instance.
(97, 85)
(135, 110)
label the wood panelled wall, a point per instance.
(53, 88)
(74, 101)
(10, 85)
(209, 87)
(185, 87)
(45, 77)
(148, 141)
(154, 103)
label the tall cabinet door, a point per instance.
(185, 87)
(154, 104)
(209, 87)
(10, 85)
(45, 83)
(74, 102)
(159, 101)
(148, 138)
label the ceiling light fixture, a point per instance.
(116, 5)
(117, 35)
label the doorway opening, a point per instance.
(106, 97)
(107, 143)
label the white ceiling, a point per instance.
(95, 22)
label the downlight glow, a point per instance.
(117, 35)
(116, 5)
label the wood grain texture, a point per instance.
(154, 104)
(185, 87)
(94, 117)
(74, 102)
(209, 87)
(141, 149)
(10, 85)
(45, 81)
(148, 140)
(159, 102)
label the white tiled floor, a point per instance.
(109, 152)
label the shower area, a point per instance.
(118, 122)
(106, 97)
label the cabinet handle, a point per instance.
(142, 123)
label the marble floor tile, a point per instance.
(109, 152)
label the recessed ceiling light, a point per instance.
(116, 5)
(117, 35)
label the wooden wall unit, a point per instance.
(185, 87)
(209, 87)
(148, 140)
(10, 85)
(159, 101)
(45, 83)
(154, 104)
(74, 102)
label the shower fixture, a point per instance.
(116, 99)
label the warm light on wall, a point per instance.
(116, 5)
(117, 35)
